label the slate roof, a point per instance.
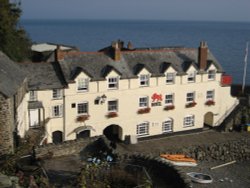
(11, 77)
(44, 75)
(156, 61)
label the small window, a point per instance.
(142, 129)
(113, 106)
(210, 95)
(143, 102)
(190, 97)
(33, 95)
(57, 111)
(188, 121)
(82, 108)
(211, 74)
(57, 94)
(170, 78)
(83, 84)
(144, 80)
(113, 83)
(191, 76)
(169, 99)
(167, 126)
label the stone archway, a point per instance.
(113, 132)
(209, 119)
(57, 137)
(83, 134)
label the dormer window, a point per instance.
(56, 93)
(191, 76)
(82, 84)
(170, 78)
(144, 80)
(33, 96)
(113, 83)
(211, 75)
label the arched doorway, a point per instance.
(208, 119)
(57, 137)
(83, 134)
(113, 133)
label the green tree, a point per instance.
(14, 41)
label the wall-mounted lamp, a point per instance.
(100, 99)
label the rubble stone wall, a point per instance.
(6, 125)
(232, 150)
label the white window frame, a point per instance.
(82, 84)
(143, 102)
(191, 77)
(142, 129)
(167, 125)
(57, 110)
(113, 82)
(144, 80)
(210, 95)
(170, 78)
(190, 97)
(113, 107)
(169, 101)
(33, 95)
(188, 121)
(211, 74)
(56, 93)
(82, 105)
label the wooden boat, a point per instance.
(179, 159)
(200, 177)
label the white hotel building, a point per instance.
(124, 91)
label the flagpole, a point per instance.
(245, 69)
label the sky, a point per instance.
(207, 10)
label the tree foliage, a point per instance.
(14, 41)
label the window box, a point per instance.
(144, 110)
(112, 115)
(190, 105)
(82, 118)
(209, 103)
(169, 107)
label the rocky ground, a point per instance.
(65, 169)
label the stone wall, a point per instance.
(161, 172)
(6, 125)
(232, 150)
(66, 148)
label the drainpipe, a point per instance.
(64, 116)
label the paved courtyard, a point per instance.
(65, 169)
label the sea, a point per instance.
(226, 40)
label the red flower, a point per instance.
(112, 115)
(144, 110)
(169, 107)
(210, 102)
(192, 104)
(82, 118)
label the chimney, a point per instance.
(116, 50)
(202, 56)
(130, 46)
(58, 53)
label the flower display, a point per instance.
(190, 105)
(144, 110)
(82, 118)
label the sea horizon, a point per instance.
(226, 40)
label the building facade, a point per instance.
(123, 91)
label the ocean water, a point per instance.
(227, 40)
